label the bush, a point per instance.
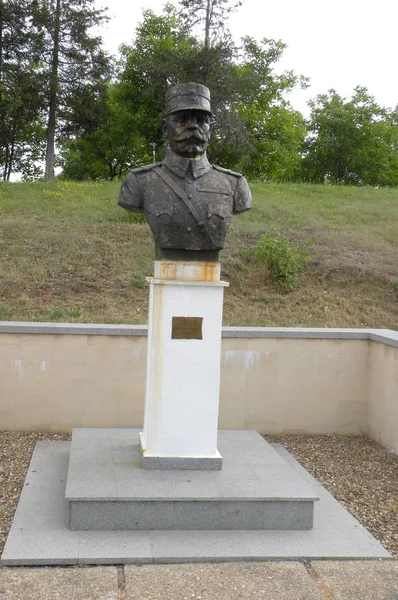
(283, 259)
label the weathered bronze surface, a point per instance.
(186, 328)
(188, 203)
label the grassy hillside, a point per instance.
(68, 253)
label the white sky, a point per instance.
(338, 44)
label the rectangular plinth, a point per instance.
(108, 489)
(176, 516)
(40, 535)
(180, 463)
(160, 463)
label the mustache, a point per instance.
(188, 135)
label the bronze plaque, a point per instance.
(186, 328)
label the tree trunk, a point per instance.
(209, 14)
(5, 160)
(11, 159)
(1, 44)
(50, 151)
(4, 167)
(112, 172)
(11, 151)
(207, 24)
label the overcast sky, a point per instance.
(338, 44)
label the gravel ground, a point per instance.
(362, 475)
(359, 473)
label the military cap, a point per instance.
(187, 96)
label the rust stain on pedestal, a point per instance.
(190, 271)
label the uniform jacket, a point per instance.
(188, 204)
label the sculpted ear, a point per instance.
(164, 127)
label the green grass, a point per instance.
(320, 208)
(69, 253)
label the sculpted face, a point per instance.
(188, 132)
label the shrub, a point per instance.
(283, 259)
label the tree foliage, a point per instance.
(21, 101)
(49, 64)
(241, 78)
(160, 55)
(72, 59)
(57, 89)
(105, 145)
(353, 142)
(273, 131)
(209, 17)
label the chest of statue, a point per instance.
(190, 213)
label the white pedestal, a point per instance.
(183, 368)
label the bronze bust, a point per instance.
(188, 203)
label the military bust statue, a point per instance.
(188, 203)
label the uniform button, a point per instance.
(189, 196)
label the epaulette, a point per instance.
(227, 171)
(146, 168)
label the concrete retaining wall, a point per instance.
(276, 380)
(382, 416)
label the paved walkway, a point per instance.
(320, 580)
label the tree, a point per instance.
(279, 133)
(265, 134)
(352, 142)
(160, 55)
(21, 103)
(247, 95)
(214, 64)
(105, 144)
(128, 112)
(165, 52)
(210, 18)
(254, 129)
(209, 15)
(72, 60)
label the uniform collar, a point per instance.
(179, 165)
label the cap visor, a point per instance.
(190, 107)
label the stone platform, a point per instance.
(108, 489)
(40, 533)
